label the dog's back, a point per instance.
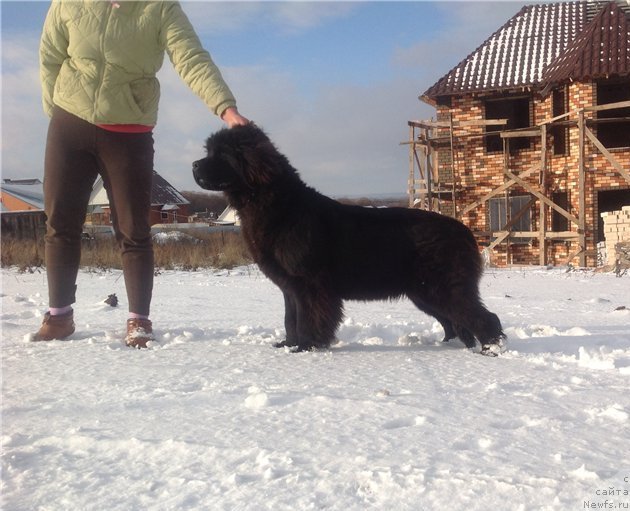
(320, 252)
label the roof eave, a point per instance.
(428, 100)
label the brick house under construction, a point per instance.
(532, 138)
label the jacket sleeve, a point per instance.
(193, 64)
(53, 51)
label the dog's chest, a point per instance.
(259, 239)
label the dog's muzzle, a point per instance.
(198, 178)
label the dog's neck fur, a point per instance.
(274, 193)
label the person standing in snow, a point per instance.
(98, 65)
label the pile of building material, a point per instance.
(617, 234)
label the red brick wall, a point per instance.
(181, 215)
(479, 172)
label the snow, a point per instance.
(162, 238)
(212, 417)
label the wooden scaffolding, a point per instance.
(435, 186)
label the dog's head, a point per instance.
(239, 160)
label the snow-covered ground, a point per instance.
(214, 418)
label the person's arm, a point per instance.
(195, 66)
(232, 117)
(53, 51)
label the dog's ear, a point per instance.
(263, 161)
(268, 158)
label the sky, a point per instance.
(332, 83)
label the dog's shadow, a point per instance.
(355, 347)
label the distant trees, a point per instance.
(216, 203)
(204, 201)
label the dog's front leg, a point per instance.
(290, 322)
(319, 312)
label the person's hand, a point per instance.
(232, 118)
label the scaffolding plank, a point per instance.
(498, 190)
(519, 134)
(609, 106)
(607, 154)
(543, 198)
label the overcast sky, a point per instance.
(332, 83)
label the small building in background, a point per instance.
(22, 208)
(22, 195)
(168, 205)
(229, 216)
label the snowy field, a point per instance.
(214, 418)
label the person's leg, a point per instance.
(127, 161)
(69, 174)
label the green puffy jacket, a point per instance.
(98, 60)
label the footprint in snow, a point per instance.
(405, 422)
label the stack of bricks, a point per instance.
(617, 235)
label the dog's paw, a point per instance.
(285, 344)
(302, 349)
(310, 348)
(493, 350)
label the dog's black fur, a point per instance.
(320, 252)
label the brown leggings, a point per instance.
(76, 153)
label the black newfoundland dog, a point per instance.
(320, 252)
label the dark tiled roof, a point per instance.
(162, 192)
(516, 55)
(601, 50)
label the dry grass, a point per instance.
(215, 250)
(25, 254)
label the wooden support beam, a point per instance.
(519, 134)
(431, 169)
(427, 124)
(481, 122)
(498, 190)
(453, 168)
(516, 234)
(542, 211)
(609, 106)
(506, 196)
(499, 240)
(461, 124)
(624, 173)
(560, 235)
(579, 252)
(530, 188)
(581, 189)
(605, 120)
(519, 214)
(414, 142)
(554, 119)
(412, 171)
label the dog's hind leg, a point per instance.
(490, 334)
(449, 330)
(470, 314)
(454, 321)
(465, 336)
